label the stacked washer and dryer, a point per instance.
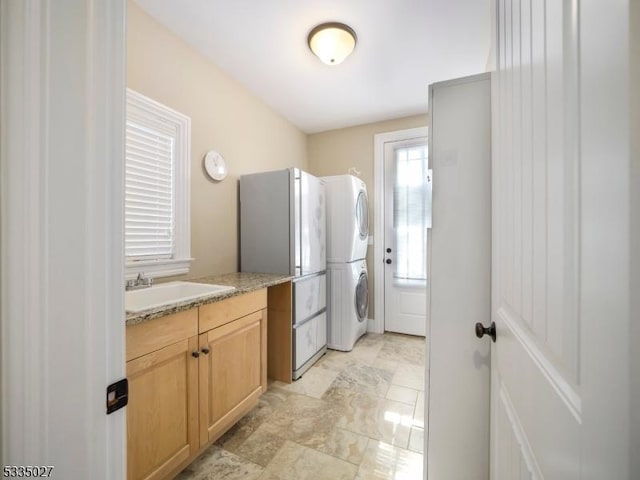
(347, 280)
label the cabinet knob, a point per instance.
(205, 350)
(195, 354)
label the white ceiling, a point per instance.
(403, 46)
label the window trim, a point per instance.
(148, 111)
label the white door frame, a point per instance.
(62, 100)
(377, 326)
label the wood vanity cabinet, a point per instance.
(162, 413)
(192, 375)
(233, 372)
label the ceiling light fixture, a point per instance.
(332, 42)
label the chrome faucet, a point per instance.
(140, 282)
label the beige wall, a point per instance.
(335, 151)
(225, 117)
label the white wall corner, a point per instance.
(372, 327)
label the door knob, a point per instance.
(481, 330)
(388, 260)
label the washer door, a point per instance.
(362, 214)
(362, 297)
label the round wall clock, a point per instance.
(215, 166)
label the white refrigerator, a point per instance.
(283, 230)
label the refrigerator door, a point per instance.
(266, 223)
(312, 225)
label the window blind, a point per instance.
(149, 193)
(410, 212)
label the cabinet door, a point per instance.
(162, 420)
(232, 374)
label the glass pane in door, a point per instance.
(410, 214)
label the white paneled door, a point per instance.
(459, 279)
(560, 251)
(407, 215)
(535, 364)
(563, 202)
(62, 129)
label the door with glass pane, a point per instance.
(407, 215)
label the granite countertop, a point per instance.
(242, 281)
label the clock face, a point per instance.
(215, 166)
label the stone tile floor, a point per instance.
(353, 416)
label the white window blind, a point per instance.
(157, 184)
(149, 193)
(410, 213)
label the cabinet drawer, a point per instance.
(216, 314)
(308, 338)
(309, 297)
(153, 335)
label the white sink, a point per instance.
(169, 293)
